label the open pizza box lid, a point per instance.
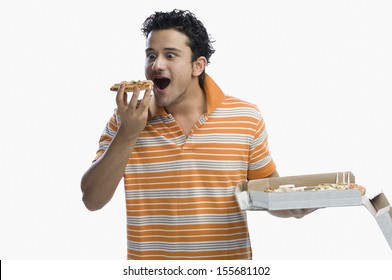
(380, 208)
(251, 194)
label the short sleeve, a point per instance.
(107, 135)
(261, 164)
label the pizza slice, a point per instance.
(132, 85)
(320, 187)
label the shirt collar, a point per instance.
(214, 96)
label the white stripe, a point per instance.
(186, 219)
(180, 193)
(173, 183)
(190, 257)
(190, 246)
(169, 166)
(182, 176)
(185, 236)
(181, 209)
(191, 230)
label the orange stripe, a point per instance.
(199, 184)
(203, 255)
(193, 232)
(186, 238)
(186, 227)
(200, 172)
(179, 206)
(176, 157)
(183, 212)
(242, 251)
(184, 178)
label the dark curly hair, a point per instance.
(185, 22)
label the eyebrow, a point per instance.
(165, 49)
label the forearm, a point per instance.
(101, 180)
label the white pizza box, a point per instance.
(251, 194)
(380, 208)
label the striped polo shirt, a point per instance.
(179, 189)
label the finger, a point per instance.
(296, 212)
(145, 102)
(120, 96)
(311, 210)
(134, 98)
(300, 213)
(125, 98)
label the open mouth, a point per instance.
(161, 83)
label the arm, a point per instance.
(101, 180)
(297, 213)
(274, 174)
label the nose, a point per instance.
(158, 64)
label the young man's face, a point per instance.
(169, 65)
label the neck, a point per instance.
(193, 104)
(188, 110)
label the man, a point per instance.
(181, 152)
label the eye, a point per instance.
(150, 56)
(170, 55)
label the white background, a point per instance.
(320, 72)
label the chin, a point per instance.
(161, 102)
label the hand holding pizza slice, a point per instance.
(134, 112)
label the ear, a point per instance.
(198, 66)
